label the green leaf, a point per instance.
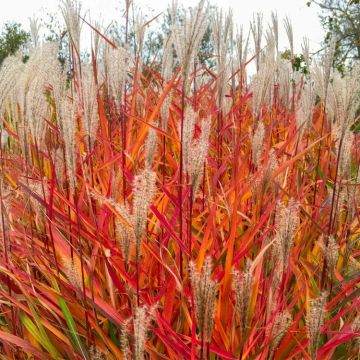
(112, 333)
(74, 335)
(320, 173)
(356, 127)
(31, 327)
(45, 341)
(341, 352)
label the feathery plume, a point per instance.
(321, 74)
(275, 29)
(90, 106)
(194, 150)
(10, 69)
(122, 210)
(98, 24)
(165, 111)
(35, 31)
(282, 323)
(345, 155)
(166, 73)
(188, 35)
(67, 121)
(257, 32)
(222, 33)
(142, 321)
(124, 236)
(115, 66)
(167, 59)
(4, 137)
(264, 178)
(95, 353)
(35, 80)
(343, 98)
(356, 323)
(144, 190)
(285, 80)
(305, 47)
(139, 31)
(286, 222)
(140, 24)
(59, 85)
(124, 341)
(198, 153)
(356, 328)
(242, 283)
(71, 13)
(272, 163)
(314, 322)
(57, 156)
(241, 50)
(305, 109)
(188, 133)
(204, 290)
(261, 84)
(290, 34)
(72, 273)
(332, 252)
(340, 198)
(150, 147)
(257, 143)
(37, 188)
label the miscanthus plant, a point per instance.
(178, 212)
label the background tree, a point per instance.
(341, 18)
(12, 39)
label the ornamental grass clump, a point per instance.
(119, 171)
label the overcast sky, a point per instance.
(305, 20)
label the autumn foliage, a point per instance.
(180, 213)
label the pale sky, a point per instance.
(305, 20)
